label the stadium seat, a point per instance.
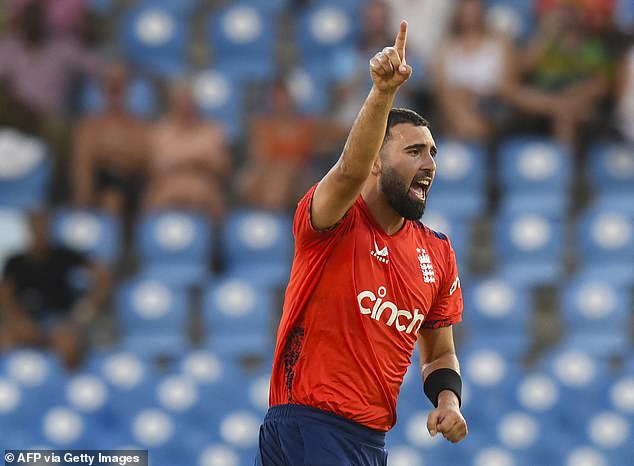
(611, 433)
(530, 440)
(14, 233)
(153, 316)
(174, 246)
(219, 95)
(258, 247)
(243, 38)
(585, 454)
(536, 172)
(459, 188)
(621, 396)
(94, 233)
(141, 97)
(310, 90)
(129, 380)
(238, 318)
(512, 18)
(498, 310)
(489, 380)
(529, 248)
(322, 29)
(596, 316)
(155, 39)
(217, 453)
(181, 8)
(493, 455)
(539, 394)
(582, 380)
(24, 170)
(457, 229)
(624, 15)
(605, 244)
(610, 168)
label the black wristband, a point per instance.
(442, 379)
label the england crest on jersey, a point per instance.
(426, 266)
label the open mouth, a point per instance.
(419, 188)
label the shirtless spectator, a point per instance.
(564, 74)
(109, 152)
(471, 67)
(189, 159)
(280, 147)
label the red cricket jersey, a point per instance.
(353, 307)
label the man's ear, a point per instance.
(377, 165)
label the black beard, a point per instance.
(397, 194)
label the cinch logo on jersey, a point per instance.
(370, 303)
(426, 266)
(380, 254)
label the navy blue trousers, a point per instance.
(295, 435)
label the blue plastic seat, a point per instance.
(25, 170)
(529, 248)
(456, 228)
(258, 246)
(322, 29)
(219, 96)
(153, 316)
(94, 233)
(596, 315)
(610, 168)
(497, 309)
(582, 380)
(515, 18)
(174, 246)
(155, 39)
(537, 169)
(14, 233)
(238, 318)
(605, 243)
(310, 89)
(243, 36)
(181, 8)
(460, 182)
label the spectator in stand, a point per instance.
(189, 161)
(471, 67)
(40, 306)
(564, 74)
(281, 144)
(37, 71)
(109, 152)
(625, 96)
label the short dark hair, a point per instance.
(402, 115)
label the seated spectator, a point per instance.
(281, 144)
(40, 305)
(625, 96)
(109, 152)
(471, 67)
(564, 74)
(189, 161)
(37, 72)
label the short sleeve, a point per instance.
(447, 308)
(303, 229)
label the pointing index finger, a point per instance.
(401, 39)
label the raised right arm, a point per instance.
(341, 186)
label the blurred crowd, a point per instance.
(477, 77)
